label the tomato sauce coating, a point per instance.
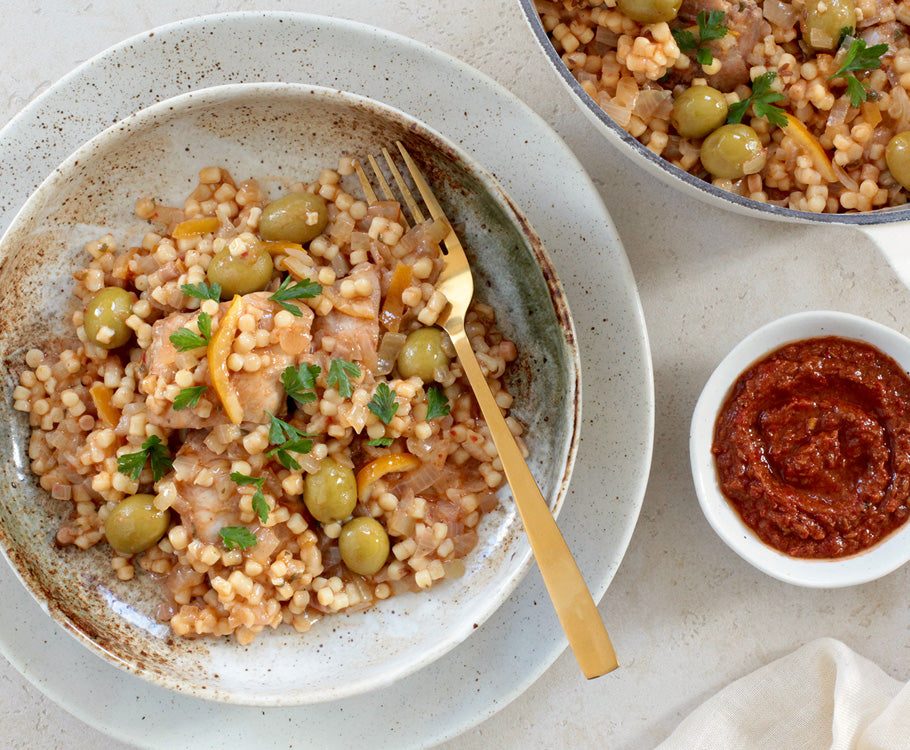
(812, 447)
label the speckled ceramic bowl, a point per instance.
(267, 131)
(882, 558)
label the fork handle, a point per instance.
(572, 601)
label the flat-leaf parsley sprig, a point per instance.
(188, 398)
(383, 403)
(437, 403)
(185, 340)
(300, 383)
(287, 439)
(305, 289)
(340, 374)
(860, 59)
(260, 506)
(762, 99)
(202, 291)
(239, 537)
(710, 27)
(154, 451)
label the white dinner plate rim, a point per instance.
(449, 724)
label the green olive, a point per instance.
(825, 20)
(330, 494)
(422, 353)
(251, 271)
(698, 111)
(295, 217)
(135, 524)
(364, 545)
(733, 151)
(897, 155)
(649, 11)
(109, 309)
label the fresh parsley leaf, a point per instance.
(237, 536)
(260, 506)
(189, 397)
(283, 452)
(202, 291)
(300, 383)
(383, 403)
(859, 59)
(185, 340)
(205, 325)
(279, 430)
(340, 373)
(437, 403)
(710, 27)
(383, 442)
(301, 290)
(685, 39)
(287, 439)
(154, 451)
(761, 100)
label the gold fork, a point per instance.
(574, 606)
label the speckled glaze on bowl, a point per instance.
(880, 559)
(266, 131)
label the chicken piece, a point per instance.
(259, 391)
(351, 330)
(204, 508)
(743, 19)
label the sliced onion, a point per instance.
(622, 115)
(845, 179)
(604, 36)
(389, 349)
(654, 103)
(779, 13)
(821, 39)
(838, 114)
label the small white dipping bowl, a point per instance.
(879, 560)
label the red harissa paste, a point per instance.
(813, 447)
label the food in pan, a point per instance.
(799, 104)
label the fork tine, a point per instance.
(422, 186)
(403, 188)
(380, 178)
(364, 182)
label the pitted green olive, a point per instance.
(330, 493)
(649, 11)
(825, 20)
(364, 545)
(733, 151)
(422, 353)
(250, 271)
(699, 110)
(135, 524)
(897, 155)
(105, 317)
(295, 217)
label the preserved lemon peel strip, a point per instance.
(800, 133)
(219, 349)
(393, 308)
(381, 466)
(279, 247)
(194, 227)
(101, 396)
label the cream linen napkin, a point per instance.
(821, 696)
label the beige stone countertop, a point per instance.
(686, 614)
